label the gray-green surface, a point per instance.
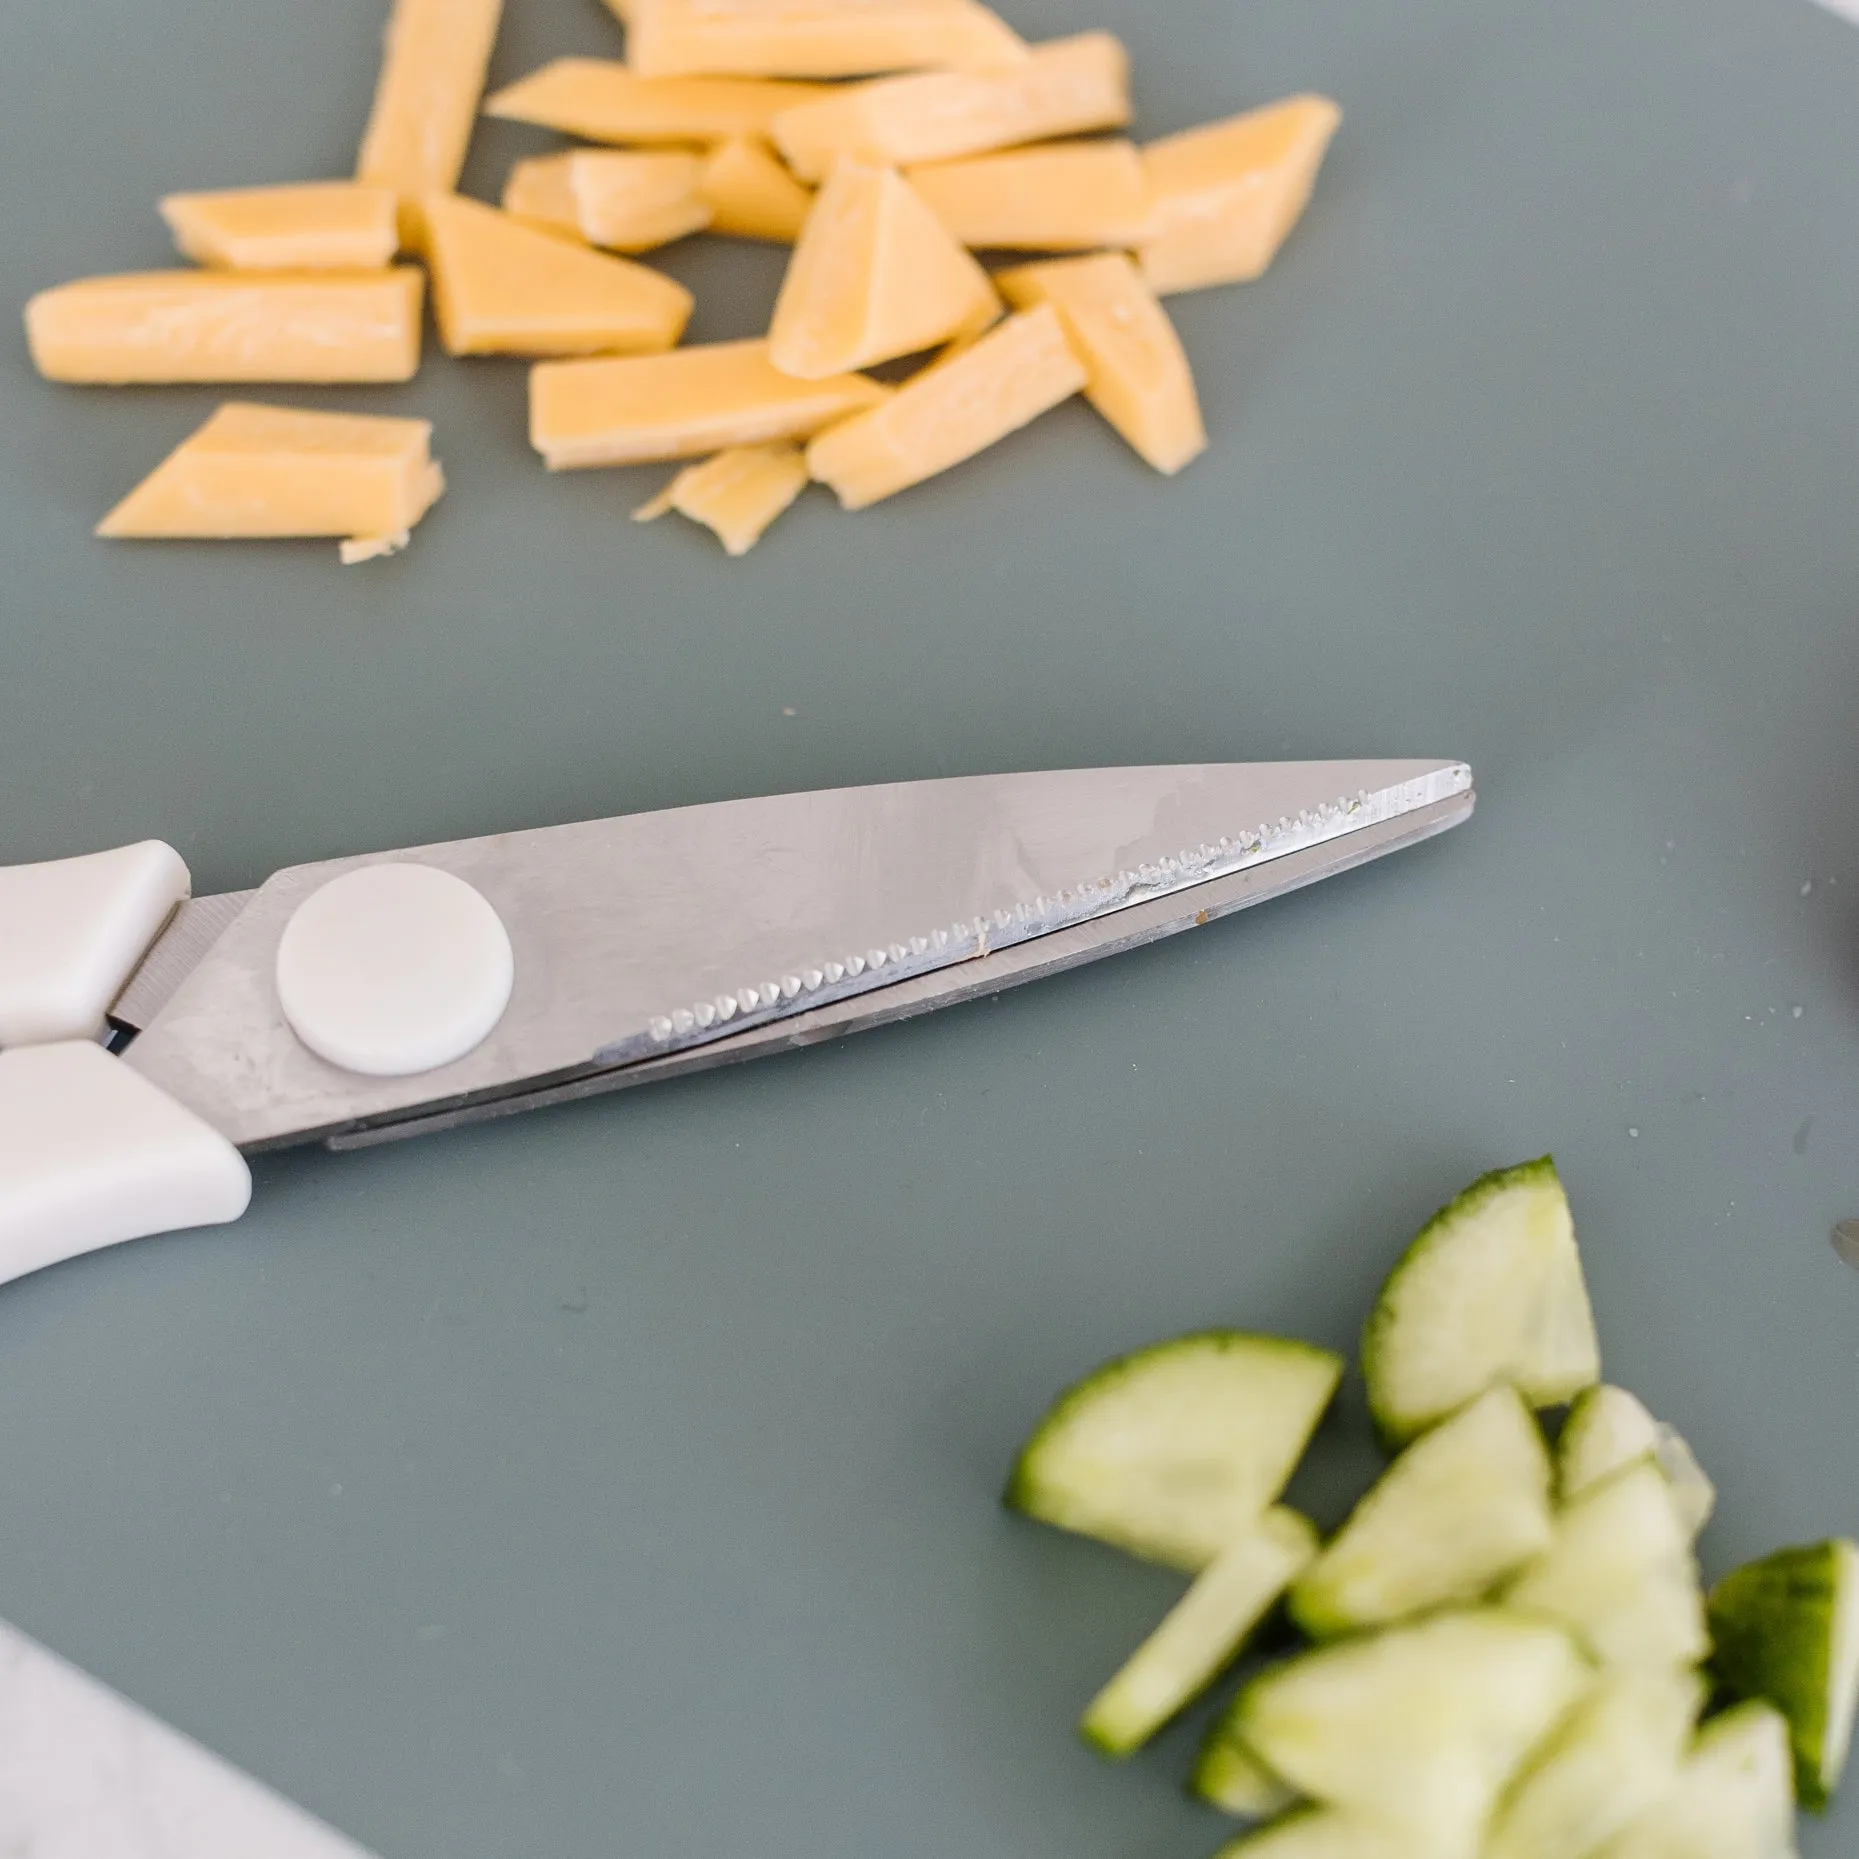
(622, 1479)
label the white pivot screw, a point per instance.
(394, 969)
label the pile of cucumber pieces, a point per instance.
(1512, 1655)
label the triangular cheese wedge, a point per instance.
(627, 200)
(813, 38)
(503, 288)
(876, 275)
(599, 99)
(949, 411)
(85, 1774)
(426, 103)
(628, 409)
(1225, 197)
(1057, 197)
(306, 226)
(1065, 87)
(1139, 378)
(540, 193)
(751, 195)
(255, 471)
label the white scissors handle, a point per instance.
(91, 1153)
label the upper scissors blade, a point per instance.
(640, 937)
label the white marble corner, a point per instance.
(85, 1774)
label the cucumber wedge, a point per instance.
(1228, 1775)
(1326, 1833)
(1203, 1633)
(1490, 1291)
(1419, 1727)
(1693, 1494)
(1177, 1450)
(1462, 1507)
(1733, 1798)
(1608, 1428)
(1621, 1574)
(1787, 1630)
(1616, 1755)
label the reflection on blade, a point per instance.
(642, 937)
(857, 971)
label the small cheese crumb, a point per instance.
(736, 494)
(354, 549)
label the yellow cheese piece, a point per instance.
(538, 192)
(737, 494)
(432, 76)
(751, 195)
(874, 276)
(965, 403)
(1224, 198)
(628, 202)
(311, 226)
(629, 411)
(1136, 371)
(1066, 197)
(632, 201)
(1065, 88)
(814, 38)
(602, 101)
(503, 288)
(164, 326)
(255, 471)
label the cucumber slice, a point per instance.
(1326, 1833)
(1462, 1507)
(1621, 1574)
(1617, 1754)
(1202, 1635)
(1177, 1450)
(1608, 1428)
(1787, 1630)
(1233, 1779)
(1418, 1727)
(1490, 1291)
(1733, 1798)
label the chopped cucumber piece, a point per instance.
(1230, 1776)
(1177, 1450)
(1621, 1574)
(1490, 1291)
(1733, 1798)
(1787, 1630)
(1327, 1833)
(1419, 1727)
(1693, 1494)
(1461, 1508)
(1203, 1634)
(1617, 1754)
(1607, 1429)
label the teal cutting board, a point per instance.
(623, 1479)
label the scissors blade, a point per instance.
(181, 947)
(947, 987)
(643, 939)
